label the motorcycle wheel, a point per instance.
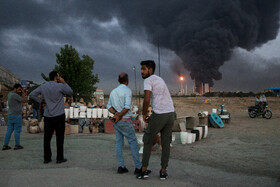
(252, 114)
(268, 114)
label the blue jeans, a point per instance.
(35, 114)
(126, 129)
(14, 124)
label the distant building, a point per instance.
(275, 91)
(6, 77)
(26, 83)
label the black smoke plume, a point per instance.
(203, 33)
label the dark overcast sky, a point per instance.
(33, 31)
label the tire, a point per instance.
(268, 114)
(252, 114)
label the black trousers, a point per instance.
(50, 124)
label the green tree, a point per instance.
(77, 72)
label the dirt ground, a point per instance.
(245, 145)
(243, 153)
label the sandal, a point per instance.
(6, 147)
(18, 147)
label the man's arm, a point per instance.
(127, 106)
(66, 89)
(23, 96)
(34, 94)
(146, 102)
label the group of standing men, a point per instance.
(161, 120)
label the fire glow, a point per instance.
(181, 78)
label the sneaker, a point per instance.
(137, 171)
(144, 174)
(163, 176)
(122, 170)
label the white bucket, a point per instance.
(105, 113)
(206, 131)
(214, 110)
(173, 140)
(83, 108)
(140, 142)
(193, 137)
(184, 137)
(76, 112)
(67, 113)
(71, 112)
(94, 113)
(111, 114)
(89, 112)
(205, 112)
(99, 113)
(190, 138)
(82, 115)
(200, 129)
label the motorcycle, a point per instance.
(261, 111)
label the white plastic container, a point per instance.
(105, 113)
(99, 112)
(67, 113)
(89, 112)
(190, 138)
(214, 110)
(200, 129)
(71, 112)
(82, 115)
(76, 112)
(83, 108)
(94, 113)
(205, 112)
(111, 114)
(140, 142)
(173, 140)
(184, 137)
(206, 131)
(193, 137)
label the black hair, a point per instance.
(149, 64)
(17, 85)
(123, 78)
(52, 75)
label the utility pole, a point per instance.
(158, 60)
(134, 69)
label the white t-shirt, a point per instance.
(161, 99)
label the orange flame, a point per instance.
(181, 78)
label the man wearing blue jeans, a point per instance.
(15, 100)
(120, 104)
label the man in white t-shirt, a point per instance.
(161, 120)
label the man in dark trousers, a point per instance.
(54, 116)
(161, 120)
